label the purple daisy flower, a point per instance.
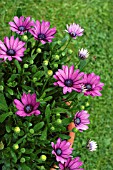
(92, 85)
(62, 150)
(74, 30)
(69, 79)
(28, 106)
(12, 48)
(83, 54)
(21, 25)
(41, 32)
(81, 120)
(71, 164)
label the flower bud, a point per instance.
(87, 104)
(31, 61)
(75, 130)
(56, 65)
(22, 160)
(59, 121)
(59, 42)
(22, 150)
(24, 37)
(63, 54)
(58, 114)
(82, 107)
(33, 44)
(38, 50)
(1, 145)
(17, 130)
(34, 79)
(15, 146)
(45, 62)
(52, 128)
(70, 51)
(57, 57)
(30, 124)
(50, 72)
(26, 65)
(83, 54)
(43, 157)
(31, 131)
(1, 87)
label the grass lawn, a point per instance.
(95, 16)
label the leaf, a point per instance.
(44, 134)
(82, 64)
(25, 167)
(14, 156)
(19, 12)
(17, 65)
(13, 76)
(38, 126)
(66, 121)
(3, 104)
(64, 137)
(4, 116)
(48, 98)
(48, 113)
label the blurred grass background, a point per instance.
(95, 16)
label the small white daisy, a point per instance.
(92, 145)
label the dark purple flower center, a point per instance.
(66, 168)
(41, 36)
(88, 87)
(77, 121)
(21, 28)
(58, 151)
(73, 34)
(28, 108)
(68, 82)
(11, 52)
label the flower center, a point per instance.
(41, 36)
(11, 52)
(77, 121)
(68, 82)
(67, 169)
(28, 108)
(58, 151)
(88, 87)
(21, 28)
(73, 34)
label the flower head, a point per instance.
(92, 145)
(12, 48)
(83, 54)
(61, 150)
(71, 164)
(21, 25)
(41, 32)
(92, 85)
(74, 30)
(69, 79)
(81, 119)
(28, 106)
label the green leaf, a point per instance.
(82, 64)
(13, 76)
(48, 113)
(19, 12)
(14, 156)
(25, 167)
(17, 65)
(48, 98)
(38, 126)
(4, 116)
(44, 134)
(64, 137)
(3, 104)
(66, 121)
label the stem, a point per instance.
(67, 44)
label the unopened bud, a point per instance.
(31, 131)
(26, 65)
(22, 150)
(50, 72)
(17, 130)
(82, 107)
(52, 128)
(70, 51)
(38, 50)
(22, 160)
(15, 146)
(87, 104)
(31, 61)
(57, 57)
(59, 121)
(56, 65)
(45, 62)
(1, 145)
(63, 54)
(24, 37)
(1, 87)
(43, 157)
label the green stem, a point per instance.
(67, 44)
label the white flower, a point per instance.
(83, 53)
(92, 145)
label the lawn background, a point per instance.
(96, 17)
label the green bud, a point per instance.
(26, 65)
(70, 51)
(57, 57)
(22, 160)
(43, 157)
(45, 62)
(59, 42)
(31, 131)
(30, 124)
(59, 121)
(17, 130)
(1, 145)
(34, 68)
(33, 44)
(63, 54)
(82, 107)
(52, 128)
(31, 61)
(38, 50)
(22, 150)
(50, 72)
(24, 37)
(34, 79)
(1, 87)
(58, 114)
(87, 104)
(75, 130)
(15, 146)
(56, 65)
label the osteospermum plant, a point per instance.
(42, 95)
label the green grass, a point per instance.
(95, 16)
